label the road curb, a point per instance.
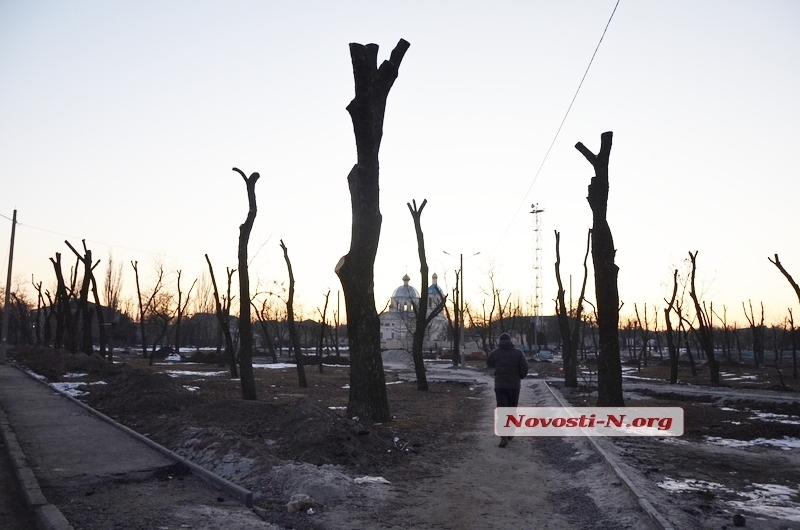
(647, 506)
(46, 515)
(243, 495)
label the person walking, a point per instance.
(510, 368)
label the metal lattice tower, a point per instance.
(537, 268)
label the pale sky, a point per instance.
(120, 123)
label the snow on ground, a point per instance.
(72, 388)
(771, 500)
(786, 443)
(178, 373)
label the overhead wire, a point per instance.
(555, 137)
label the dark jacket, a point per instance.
(510, 365)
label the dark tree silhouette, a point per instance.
(323, 325)
(569, 337)
(609, 365)
(423, 316)
(672, 347)
(298, 353)
(367, 399)
(777, 263)
(222, 318)
(181, 310)
(245, 324)
(705, 329)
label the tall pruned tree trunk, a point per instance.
(423, 316)
(182, 306)
(298, 353)
(135, 265)
(83, 302)
(705, 330)
(674, 354)
(323, 325)
(570, 336)
(245, 324)
(367, 399)
(222, 318)
(757, 330)
(609, 365)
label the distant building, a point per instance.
(399, 320)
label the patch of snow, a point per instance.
(70, 389)
(394, 383)
(178, 373)
(173, 357)
(36, 376)
(74, 376)
(275, 366)
(739, 378)
(786, 442)
(771, 500)
(371, 480)
(338, 408)
(690, 484)
(637, 377)
(191, 388)
(780, 418)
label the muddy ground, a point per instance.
(439, 456)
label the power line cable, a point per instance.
(566, 114)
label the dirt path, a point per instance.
(533, 483)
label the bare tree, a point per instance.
(423, 316)
(609, 365)
(145, 308)
(672, 343)
(245, 323)
(86, 320)
(569, 337)
(160, 316)
(644, 332)
(704, 330)
(367, 397)
(793, 332)
(298, 355)
(777, 263)
(757, 329)
(222, 318)
(64, 336)
(181, 310)
(323, 325)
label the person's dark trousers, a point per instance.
(507, 397)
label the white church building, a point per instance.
(398, 321)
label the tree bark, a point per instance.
(83, 301)
(777, 263)
(367, 397)
(570, 336)
(323, 325)
(298, 353)
(422, 310)
(609, 365)
(222, 318)
(245, 324)
(705, 331)
(674, 355)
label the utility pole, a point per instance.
(6, 308)
(537, 272)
